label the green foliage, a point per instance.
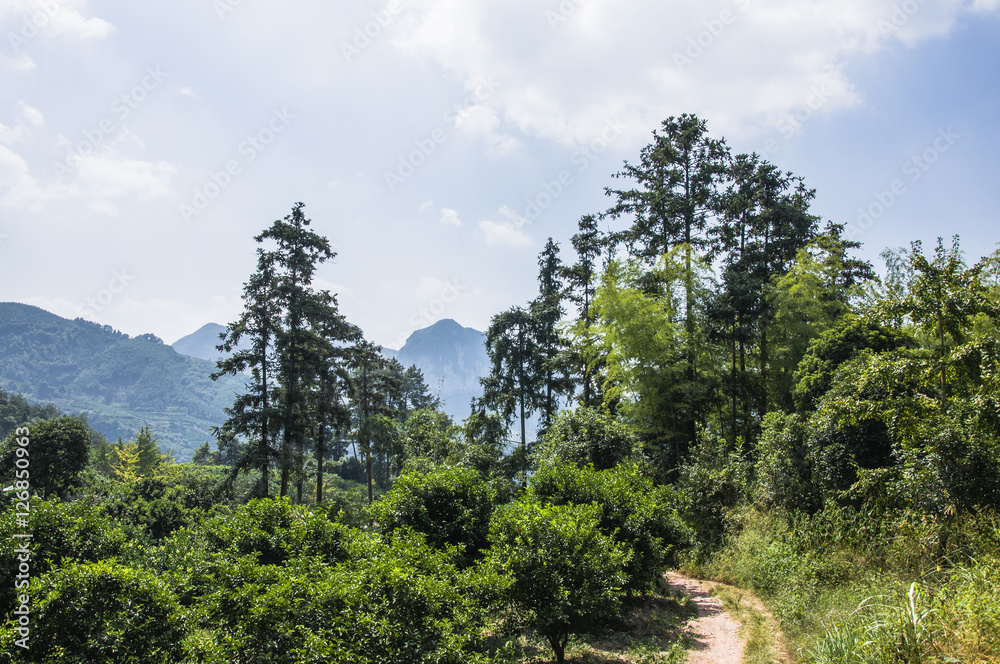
(812, 297)
(451, 506)
(99, 612)
(274, 531)
(566, 573)
(644, 342)
(814, 374)
(641, 517)
(712, 482)
(587, 436)
(123, 383)
(17, 411)
(393, 601)
(56, 452)
(60, 533)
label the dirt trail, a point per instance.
(716, 634)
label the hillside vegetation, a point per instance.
(720, 386)
(121, 383)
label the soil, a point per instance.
(715, 634)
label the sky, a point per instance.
(438, 143)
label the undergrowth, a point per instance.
(850, 586)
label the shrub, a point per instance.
(566, 573)
(587, 436)
(273, 530)
(451, 506)
(393, 601)
(57, 451)
(634, 512)
(60, 533)
(100, 612)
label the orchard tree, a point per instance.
(54, 452)
(566, 573)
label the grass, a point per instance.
(650, 631)
(763, 641)
(849, 587)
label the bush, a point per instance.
(713, 481)
(587, 436)
(393, 601)
(99, 612)
(566, 573)
(273, 530)
(60, 533)
(637, 514)
(57, 451)
(451, 506)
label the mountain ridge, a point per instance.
(120, 382)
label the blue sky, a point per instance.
(142, 145)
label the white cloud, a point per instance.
(97, 183)
(506, 231)
(482, 122)
(62, 17)
(31, 114)
(9, 135)
(744, 65)
(450, 217)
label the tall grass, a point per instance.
(852, 586)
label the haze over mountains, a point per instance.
(452, 358)
(123, 383)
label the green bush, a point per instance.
(636, 513)
(60, 533)
(99, 612)
(451, 506)
(567, 575)
(713, 481)
(55, 452)
(273, 530)
(587, 436)
(392, 601)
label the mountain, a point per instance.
(201, 344)
(121, 383)
(453, 359)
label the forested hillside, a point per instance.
(121, 383)
(720, 385)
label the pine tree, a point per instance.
(253, 414)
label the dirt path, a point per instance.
(716, 634)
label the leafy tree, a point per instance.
(101, 612)
(642, 517)
(677, 181)
(588, 436)
(642, 338)
(813, 296)
(54, 452)
(17, 411)
(451, 506)
(814, 374)
(566, 573)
